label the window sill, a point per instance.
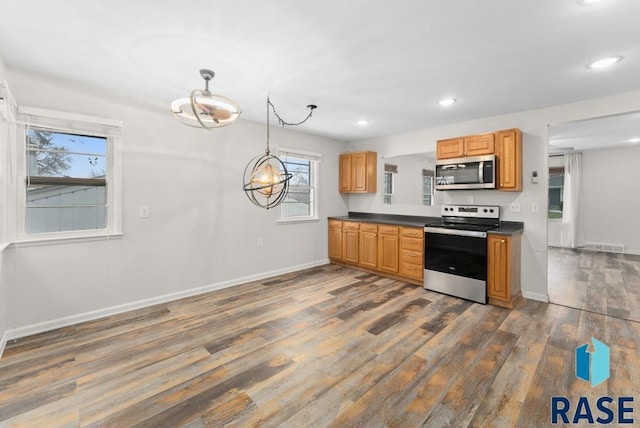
(33, 242)
(298, 220)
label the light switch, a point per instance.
(535, 207)
(144, 211)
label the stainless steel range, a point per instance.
(455, 250)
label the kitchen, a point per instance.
(199, 234)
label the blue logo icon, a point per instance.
(593, 366)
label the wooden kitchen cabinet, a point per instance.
(472, 145)
(509, 160)
(369, 245)
(503, 269)
(388, 249)
(358, 172)
(335, 240)
(412, 252)
(350, 241)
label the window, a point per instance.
(427, 187)
(389, 171)
(66, 181)
(556, 192)
(69, 187)
(300, 202)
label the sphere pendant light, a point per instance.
(203, 109)
(266, 179)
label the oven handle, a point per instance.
(444, 231)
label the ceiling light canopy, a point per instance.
(202, 109)
(588, 2)
(635, 140)
(447, 102)
(604, 62)
(362, 122)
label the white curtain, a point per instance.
(572, 221)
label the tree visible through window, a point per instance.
(300, 201)
(66, 181)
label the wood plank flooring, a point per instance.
(605, 283)
(325, 347)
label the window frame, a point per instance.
(431, 195)
(388, 196)
(314, 160)
(63, 122)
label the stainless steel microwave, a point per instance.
(473, 172)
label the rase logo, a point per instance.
(592, 367)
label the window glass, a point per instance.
(66, 181)
(300, 200)
(556, 192)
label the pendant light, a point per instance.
(266, 179)
(203, 109)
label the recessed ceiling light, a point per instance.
(447, 102)
(634, 140)
(588, 2)
(604, 62)
(362, 122)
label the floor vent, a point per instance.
(606, 248)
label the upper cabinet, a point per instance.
(505, 144)
(473, 145)
(358, 172)
(509, 160)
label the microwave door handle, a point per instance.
(481, 172)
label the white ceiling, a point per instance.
(603, 132)
(388, 62)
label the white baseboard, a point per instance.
(535, 296)
(114, 310)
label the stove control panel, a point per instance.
(473, 211)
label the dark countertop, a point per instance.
(506, 227)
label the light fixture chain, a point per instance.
(285, 123)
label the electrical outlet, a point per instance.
(514, 207)
(260, 242)
(535, 207)
(144, 212)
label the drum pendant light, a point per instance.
(203, 109)
(266, 179)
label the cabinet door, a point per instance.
(359, 172)
(388, 249)
(498, 267)
(335, 240)
(350, 242)
(477, 145)
(369, 247)
(450, 148)
(509, 160)
(345, 173)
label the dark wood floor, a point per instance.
(329, 346)
(605, 283)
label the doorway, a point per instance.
(601, 271)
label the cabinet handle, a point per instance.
(503, 241)
(411, 255)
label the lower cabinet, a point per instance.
(369, 245)
(389, 250)
(351, 242)
(388, 247)
(503, 269)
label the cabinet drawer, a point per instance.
(349, 225)
(410, 256)
(388, 230)
(411, 270)
(368, 227)
(415, 244)
(335, 224)
(413, 232)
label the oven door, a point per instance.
(455, 263)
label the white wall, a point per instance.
(202, 229)
(611, 198)
(534, 125)
(4, 306)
